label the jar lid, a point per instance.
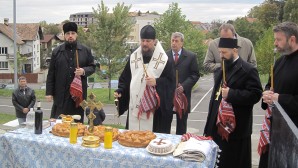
(73, 124)
(109, 129)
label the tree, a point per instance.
(49, 28)
(291, 11)
(214, 33)
(250, 30)
(267, 13)
(265, 51)
(110, 33)
(173, 21)
(20, 62)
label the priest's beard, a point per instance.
(286, 50)
(147, 53)
(229, 62)
(71, 45)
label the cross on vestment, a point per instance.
(159, 142)
(218, 93)
(158, 61)
(136, 60)
(92, 105)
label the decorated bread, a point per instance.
(63, 129)
(138, 139)
(160, 146)
(100, 130)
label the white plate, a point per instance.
(161, 154)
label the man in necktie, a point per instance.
(186, 76)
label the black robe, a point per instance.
(245, 91)
(165, 86)
(61, 74)
(286, 85)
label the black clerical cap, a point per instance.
(70, 26)
(148, 32)
(227, 43)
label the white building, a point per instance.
(28, 45)
(82, 19)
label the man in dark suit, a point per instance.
(188, 74)
(229, 120)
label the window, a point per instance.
(4, 65)
(3, 50)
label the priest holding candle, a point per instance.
(283, 84)
(236, 89)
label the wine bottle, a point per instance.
(38, 119)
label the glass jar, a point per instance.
(108, 138)
(73, 133)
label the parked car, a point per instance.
(43, 86)
(96, 86)
(2, 85)
(9, 86)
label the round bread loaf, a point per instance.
(137, 139)
(63, 129)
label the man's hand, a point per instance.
(25, 110)
(269, 97)
(79, 72)
(225, 92)
(49, 98)
(150, 81)
(116, 94)
(180, 89)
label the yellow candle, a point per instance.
(223, 71)
(271, 75)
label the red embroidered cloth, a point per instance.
(180, 103)
(149, 102)
(187, 136)
(265, 133)
(226, 122)
(76, 90)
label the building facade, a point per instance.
(28, 47)
(82, 19)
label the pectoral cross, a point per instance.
(218, 93)
(158, 61)
(136, 60)
(92, 105)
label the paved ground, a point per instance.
(197, 118)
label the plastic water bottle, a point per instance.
(30, 118)
(38, 119)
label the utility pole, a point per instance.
(15, 46)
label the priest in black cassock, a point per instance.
(146, 86)
(285, 83)
(229, 120)
(69, 60)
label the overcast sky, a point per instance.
(56, 11)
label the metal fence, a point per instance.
(284, 140)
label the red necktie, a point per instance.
(176, 58)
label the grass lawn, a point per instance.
(101, 94)
(264, 78)
(4, 118)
